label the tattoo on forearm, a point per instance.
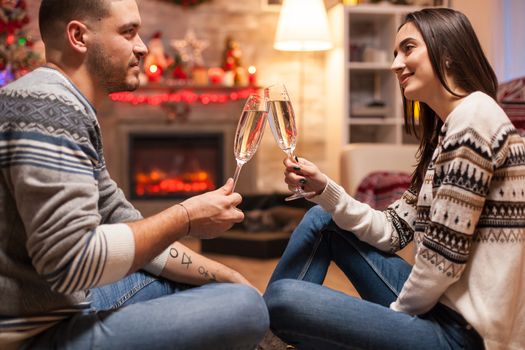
(186, 260)
(208, 275)
(174, 253)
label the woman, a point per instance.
(465, 211)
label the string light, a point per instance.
(185, 95)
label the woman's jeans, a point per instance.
(309, 316)
(144, 312)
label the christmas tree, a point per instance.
(17, 54)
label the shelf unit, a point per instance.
(364, 102)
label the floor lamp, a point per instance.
(302, 27)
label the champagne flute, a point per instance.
(282, 123)
(249, 131)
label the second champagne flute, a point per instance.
(249, 131)
(282, 123)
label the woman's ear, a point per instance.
(76, 36)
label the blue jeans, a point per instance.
(145, 312)
(309, 316)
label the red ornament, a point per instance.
(10, 39)
(215, 75)
(179, 73)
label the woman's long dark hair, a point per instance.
(453, 47)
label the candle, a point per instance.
(200, 76)
(252, 77)
(229, 78)
(154, 73)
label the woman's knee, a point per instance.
(317, 213)
(316, 220)
(285, 298)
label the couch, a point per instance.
(359, 160)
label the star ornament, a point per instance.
(190, 48)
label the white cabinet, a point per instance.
(364, 102)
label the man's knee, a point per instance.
(249, 307)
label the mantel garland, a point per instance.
(185, 95)
(187, 3)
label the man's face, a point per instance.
(116, 49)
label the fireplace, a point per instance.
(159, 161)
(174, 166)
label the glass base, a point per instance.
(299, 194)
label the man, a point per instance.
(70, 244)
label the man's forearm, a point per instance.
(153, 234)
(186, 266)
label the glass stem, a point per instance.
(291, 155)
(236, 175)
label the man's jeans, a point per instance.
(144, 312)
(310, 316)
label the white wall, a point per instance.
(500, 25)
(486, 18)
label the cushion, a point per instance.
(381, 188)
(511, 97)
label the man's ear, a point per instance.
(76, 36)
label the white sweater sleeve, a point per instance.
(375, 227)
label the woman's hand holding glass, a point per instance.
(304, 174)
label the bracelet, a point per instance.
(189, 220)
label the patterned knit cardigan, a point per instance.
(468, 224)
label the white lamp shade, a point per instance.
(303, 26)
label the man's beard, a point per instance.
(112, 77)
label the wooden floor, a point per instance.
(258, 271)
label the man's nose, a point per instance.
(140, 48)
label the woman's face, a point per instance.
(412, 65)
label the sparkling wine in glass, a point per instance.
(282, 123)
(249, 131)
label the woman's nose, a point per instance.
(397, 64)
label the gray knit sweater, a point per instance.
(61, 215)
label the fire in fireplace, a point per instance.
(172, 166)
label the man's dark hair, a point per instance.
(55, 14)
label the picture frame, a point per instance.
(271, 5)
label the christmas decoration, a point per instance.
(235, 74)
(17, 54)
(187, 96)
(231, 57)
(190, 49)
(177, 69)
(215, 75)
(187, 3)
(156, 61)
